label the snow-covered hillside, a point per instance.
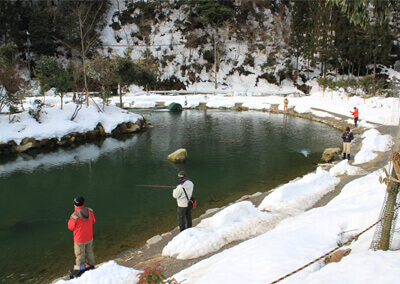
(241, 64)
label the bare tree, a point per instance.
(82, 38)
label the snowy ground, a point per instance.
(281, 235)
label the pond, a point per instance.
(230, 154)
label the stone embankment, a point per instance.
(340, 122)
(72, 139)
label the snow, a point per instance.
(373, 142)
(104, 274)
(372, 111)
(300, 194)
(55, 123)
(299, 240)
(344, 167)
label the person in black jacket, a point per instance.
(347, 136)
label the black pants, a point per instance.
(355, 121)
(184, 212)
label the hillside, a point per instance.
(253, 51)
(234, 45)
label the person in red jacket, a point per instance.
(355, 114)
(81, 223)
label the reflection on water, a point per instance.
(81, 154)
(229, 154)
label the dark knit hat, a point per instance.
(78, 201)
(347, 128)
(181, 174)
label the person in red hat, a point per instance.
(81, 223)
(355, 114)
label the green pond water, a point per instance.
(230, 154)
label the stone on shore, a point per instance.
(331, 154)
(179, 156)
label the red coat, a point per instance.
(81, 223)
(355, 112)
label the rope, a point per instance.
(335, 249)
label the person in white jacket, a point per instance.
(183, 201)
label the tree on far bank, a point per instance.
(104, 72)
(130, 72)
(80, 30)
(10, 79)
(52, 74)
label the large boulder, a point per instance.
(331, 154)
(25, 147)
(66, 140)
(179, 156)
(31, 141)
(101, 130)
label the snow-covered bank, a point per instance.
(55, 123)
(378, 110)
(299, 240)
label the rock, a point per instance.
(67, 140)
(125, 128)
(48, 143)
(8, 148)
(35, 143)
(154, 240)
(25, 147)
(80, 138)
(179, 156)
(101, 130)
(331, 154)
(304, 88)
(337, 256)
(132, 127)
(90, 135)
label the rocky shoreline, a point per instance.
(73, 139)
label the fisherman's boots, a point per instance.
(348, 156)
(344, 156)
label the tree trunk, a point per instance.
(393, 190)
(374, 83)
(120, 95)
(348, 70)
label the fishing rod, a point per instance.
(150, 185)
